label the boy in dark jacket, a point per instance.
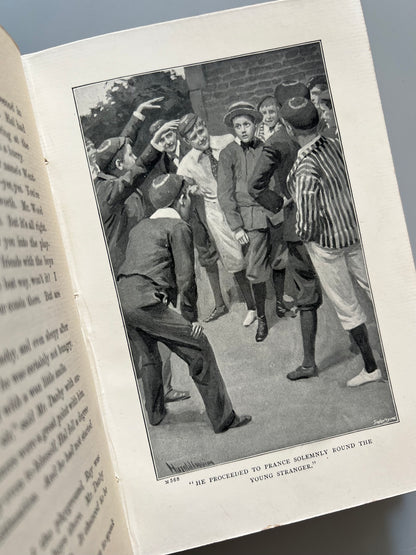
(159, 267)
(276, 160)
(250, 222)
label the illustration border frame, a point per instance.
(141, 401)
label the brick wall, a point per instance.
(214, 86)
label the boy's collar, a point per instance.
(168, 212)
(177, 152)
(255, 141)
(308, 145)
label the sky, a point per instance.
(89, 96)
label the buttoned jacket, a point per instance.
(160, 251)
(276, 160)
(236, 164)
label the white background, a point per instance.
(383, 528)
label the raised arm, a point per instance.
(137, 118)
(151, 154)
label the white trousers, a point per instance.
(336, 269)
(229, 249)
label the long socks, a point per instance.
(214, 281)
(259, 292)
(245, 288)
(308, 325)
(279, 284)
(360, 336)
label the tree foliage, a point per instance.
(108, 118)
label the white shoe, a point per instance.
(251, 317)
(365, 377)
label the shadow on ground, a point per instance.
(284, 413)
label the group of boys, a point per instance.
(272, 200)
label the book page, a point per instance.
(314, 445)
(58, 492)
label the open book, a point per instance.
(126, 429)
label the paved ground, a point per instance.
(284, 413)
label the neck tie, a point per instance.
(213, 161)
(251, 144)
(171, 163)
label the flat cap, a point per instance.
(108, 149)
(317, 80)
(300, 112)
(186, 123)
(165, 189)
(289, 89)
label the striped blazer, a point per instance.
(319, 185)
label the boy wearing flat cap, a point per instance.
(173, 152)
(249, 221)
(201, 165)
(121, 173)
(326, 223)
(159, 267)
(276, 159)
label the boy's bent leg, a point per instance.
(278, 263)
(335, 275)
(258, 272)
(174, 331)
(171, 395)
(370, 372)
(308, 325)
(207, 255)
(161, 323)
(151, 374)
(331, 267)
(206, 375)
(165, 355)
(308, 300)
(229, 249)
(356, 266)
(220, 307)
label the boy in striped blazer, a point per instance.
(326, 223)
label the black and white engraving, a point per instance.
(233, 239)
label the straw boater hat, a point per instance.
(241, 109)
(300, 112)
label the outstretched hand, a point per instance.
(150, 104)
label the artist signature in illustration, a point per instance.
(377, 422)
